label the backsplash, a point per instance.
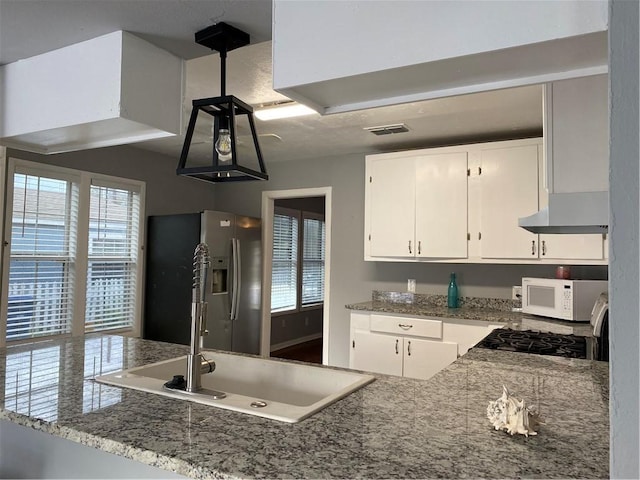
(441, 300)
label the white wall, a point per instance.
(349, 55)
(353, 279)
(318, 40)
(624, 231)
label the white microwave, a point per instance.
(558, 298)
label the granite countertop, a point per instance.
(392, 428)
(481, 309)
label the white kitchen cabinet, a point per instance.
(412, 198)
(509, 190)
(375, 352)
(466, 333)
(572, 247)
(424, 358)
(403, 356)
(409, 346)
(441, 205)
(391, 188)
(462, 205)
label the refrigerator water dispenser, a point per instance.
(219, 275)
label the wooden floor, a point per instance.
(305, 352)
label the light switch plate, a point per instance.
(411, 285)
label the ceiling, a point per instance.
(31, 27)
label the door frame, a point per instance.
(268, 200)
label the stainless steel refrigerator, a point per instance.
(233, 280)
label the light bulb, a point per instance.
(223, 145)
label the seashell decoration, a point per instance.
(512, 415)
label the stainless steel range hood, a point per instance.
(576, 144)
(580, 212)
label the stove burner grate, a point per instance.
(539, 343)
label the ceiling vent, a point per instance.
(388, 129)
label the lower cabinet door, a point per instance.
(378, 353)
(424, 358)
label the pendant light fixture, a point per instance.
(225, 120)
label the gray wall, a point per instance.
(624, 246)
(167, 193)
(291, 327)
(353, 279)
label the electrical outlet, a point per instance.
(284, 323)
(516, 292)
(306, 321)
(411, 285)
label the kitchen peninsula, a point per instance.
(392, 428)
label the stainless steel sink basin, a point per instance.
(274, 389)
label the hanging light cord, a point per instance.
(223, 72)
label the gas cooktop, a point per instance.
(539, 343)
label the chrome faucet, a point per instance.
(196, 363)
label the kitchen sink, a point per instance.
(279, 390)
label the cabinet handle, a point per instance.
(410, 247)
(544, 247)
(419, 247)
(405, 326)
(353, 344)
(396, 346)
(533, 247)
(409, 348)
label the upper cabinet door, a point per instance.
(391, 188)
(509, 190)
(441, 205)
(572, 247)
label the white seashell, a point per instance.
(512, 415)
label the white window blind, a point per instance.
(284, 274)
(42, 256)
(114, 215)
(313, 239)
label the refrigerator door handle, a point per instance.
(232, 278)
(233, 314)
(237, 279)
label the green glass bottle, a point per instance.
(452, 293)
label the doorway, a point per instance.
(296, 324)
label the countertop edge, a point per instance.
(114, 447)
(479, 314)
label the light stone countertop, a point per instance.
(483, 312)
(392, 428)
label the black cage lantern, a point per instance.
(219, 162)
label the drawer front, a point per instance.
(415, 327)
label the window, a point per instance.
(297, 277)
(112, 258)
(42, 256)
(73, 255)
(284, 273)
(312, 259)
